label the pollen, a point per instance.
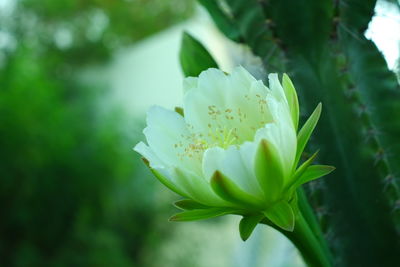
(226, 126)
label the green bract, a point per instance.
(234, 151)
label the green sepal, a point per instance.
(180, 111)
(197, 189)
(313, 172)
(230, 192)
(247, 225)
(165, 181)
(282, 215)
(306, 131)
(268, 170)
(303, 167)
(188, 204)
(293, 202)
(202, 214)
(194, 57)
(292, 99)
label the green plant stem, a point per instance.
(312, 221)
(307, 243)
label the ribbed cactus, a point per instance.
(321, 45)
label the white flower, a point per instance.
(235, 150)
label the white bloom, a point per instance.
(236, 148)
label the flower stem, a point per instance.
(309, 216)
(308, 244)
(307, 238)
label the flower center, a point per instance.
(226, 127)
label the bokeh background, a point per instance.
(76, 78)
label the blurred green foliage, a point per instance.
(95, 28)
(72, 192)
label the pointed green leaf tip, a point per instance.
(247, 225)
(194, 57)
(291, 97)
(306, 131)
(180, 111)
(282, 215)
(313, 172)
(230, 192)
(269, 170)
(303, 167)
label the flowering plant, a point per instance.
(233, 149)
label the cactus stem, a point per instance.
(389, 180)
(352, 34)
(269, 22)
(363, 109)
(371, 134)
(316, 186)
(322, 211)
(396, 206)
(379, 156)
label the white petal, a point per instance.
(270, 132)
(276, 87)
(189, 83)
(149, 155)
(210, 92)
(248, 152)
(241, 77)
(247, 95)
(212, 161)
(281, 133)
(235, 101)
(196, 187)
(236, 164)
(166, 134)
(213, 80)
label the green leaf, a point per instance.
(300, 170)
(268, 170)
(223, 22)
(282, 215)
(194, 215)
(293, 202)
(165, 181)
(291, 96)
(313, 172)
(247, 225)
(188, 204)
(306, 131)
(230, 192)
(194, 57)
